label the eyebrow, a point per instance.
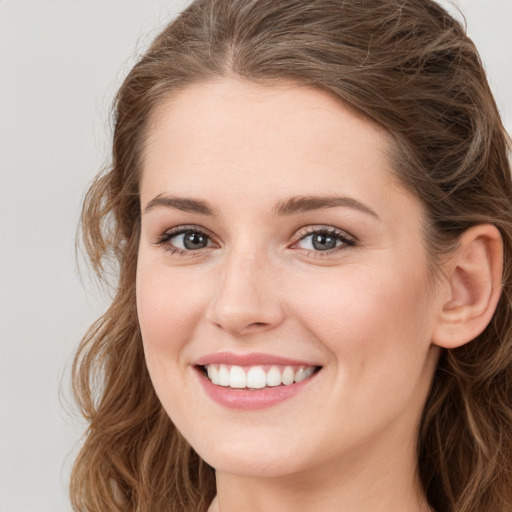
(180, 203)
(290, 206)
(302, 204)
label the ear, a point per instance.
(472, 287)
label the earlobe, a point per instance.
(473, 287)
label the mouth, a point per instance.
(257, 377)
(254, 381)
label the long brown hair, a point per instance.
(409, 67)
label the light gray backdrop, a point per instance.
(60, 64)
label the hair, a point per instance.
(408, 66)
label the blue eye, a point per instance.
(324, 240)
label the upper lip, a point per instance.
(249, 359)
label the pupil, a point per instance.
(323, 242)
(194, 241)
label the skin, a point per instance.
(365, 312)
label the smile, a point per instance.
(257, 377)
(253, 381)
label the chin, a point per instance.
(256, 457)
(253, 466)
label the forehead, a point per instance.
(282, 139)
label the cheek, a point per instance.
(376, 317)
(168, 310)
(376, 327)
(168, 307)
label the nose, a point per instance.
(247, 296)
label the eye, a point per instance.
(185, 239)
(324, 240)
(190, 240)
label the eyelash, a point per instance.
(341, 236)
(164, 239)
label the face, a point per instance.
(279, 255)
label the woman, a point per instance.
(310, 207)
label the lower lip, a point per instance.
(251, 398)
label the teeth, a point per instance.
(274, 377)
(213, 373)
(255, 377)
(300, 374)
(288, 376)
(237, 378)
(303, 373)
(223, 376)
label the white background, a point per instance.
(60, 64)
